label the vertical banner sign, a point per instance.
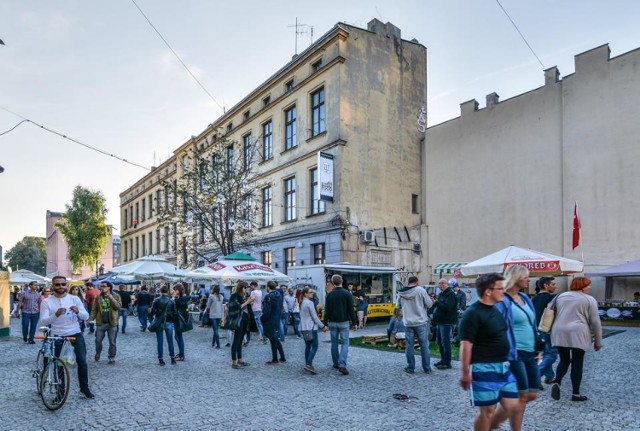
(325, 177)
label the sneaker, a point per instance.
(87, 394)
(310, 369)
(549, 380)
(173, 361)
(97, 357)
(235, 366)
(31, 342)
(243, 364)
(245, 344)
(112, 361)
(408, 370)
(427, 371)
(161, 361)
(298, 337)
(438, 363)
(227, 345)
(218, 346)
(555, 391)
(265, 341)
(344, 371)
(274, 362)
(336, 367)
(578, 398)
(283, 360)
(443, 367)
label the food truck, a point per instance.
(379, 283)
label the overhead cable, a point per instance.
(520, 33)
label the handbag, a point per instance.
(307, 335)
(538, 338)
(548, 316)
(68, 353)
(233, 322)
(185, 325)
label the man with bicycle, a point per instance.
(64, 313)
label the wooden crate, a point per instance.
(375, 339)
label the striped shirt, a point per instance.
(31, 301)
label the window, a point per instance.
(157, 241)
(150, 249)
(158, 199)
(266, 101)
(144, 209)
(230, 158)
(266, 207)
(246, 115)
(202, 233)
(137, 218)
(175, 238)
(316, 66)
(131, 217)
(290, 199)
(246, 141)
(318, 254)
(246, 213)
(184, 252)
(137, 247)
(317, 206)
(414, 204)
(126, 220)
(150, 205)
(166, 199)
(288, 86)
(289, 258)
(131, 249)
(266, 258)
(267, 140)
(166, 239)
(126, 250)
(202, 174)
(185, 164)
(318, 113)
(229, 127)
(290, 128)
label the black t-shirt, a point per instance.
(484, 326)
(125, 297)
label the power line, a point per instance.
(520, 33)
(26, 120)
(177, 56)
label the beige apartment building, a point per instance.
(511, 172)
(356, 95)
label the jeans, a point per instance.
(339, 335)
(444, 342)
(276, 348)
(256, 315)
(525, 370)
(112, 333)
(215, 324)
(168, 331)
(180, 341)
(422, 332)
(236, 345)
(29, 325)
(124, 312)
(143, 316)
(284, 325)
(549, 357)
(296, 324)
(80, 349)
(310, 348)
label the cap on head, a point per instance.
(453, 282)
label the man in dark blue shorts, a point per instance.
(483, 353)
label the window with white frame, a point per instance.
(290, 199)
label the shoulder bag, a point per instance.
(185, 324)
(548, 316)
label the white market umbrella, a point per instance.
(538, 263)
(148, 268)
(24, 276)
(230, 271)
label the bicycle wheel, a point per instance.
(37, 372)
(54, 384)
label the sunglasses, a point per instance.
(59, 284)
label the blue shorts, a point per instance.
(490, 382)
(526, 372)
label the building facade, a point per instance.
(511, 173)
(58, 262)
(354, 94)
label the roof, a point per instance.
(629, 269)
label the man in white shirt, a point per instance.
(64, 312)
(256, 306)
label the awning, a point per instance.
(448, 268)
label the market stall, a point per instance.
(621, 282)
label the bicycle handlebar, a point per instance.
(42, 337)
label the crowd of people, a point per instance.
(503, 354)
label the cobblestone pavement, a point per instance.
(204, 392)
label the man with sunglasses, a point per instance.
(64, 313)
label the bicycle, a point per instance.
(52, 374)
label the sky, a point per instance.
(97, 72)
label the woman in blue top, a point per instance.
(521, 319)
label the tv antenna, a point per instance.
(300, 30)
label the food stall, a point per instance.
(620, 283)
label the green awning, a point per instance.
(448, 268)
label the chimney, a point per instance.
(551, 75)
(492, 99)
(386, 30)
(468, 107)
(595, 58)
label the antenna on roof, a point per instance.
(300, 30)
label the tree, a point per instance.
(84, 227)
(213, 203)
(30, 254)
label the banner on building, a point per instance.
(325, 177)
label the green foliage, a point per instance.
(84, 227)
(29, 254)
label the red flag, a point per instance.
(576, 227)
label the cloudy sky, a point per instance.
(97, 72)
